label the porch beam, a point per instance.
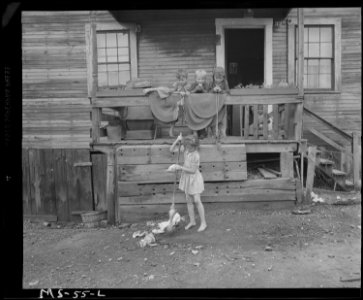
(300, 45)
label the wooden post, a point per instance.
(287, 164)
(298, 120)
(310, 173)
(356, 161)
(300, 47)
(96, 120)
(110, 187)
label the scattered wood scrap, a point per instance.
(266, 174)
(273, 171)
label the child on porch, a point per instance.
(191, 180)
(201, 85)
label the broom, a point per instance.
(172, 210)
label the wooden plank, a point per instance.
(79, 181)
(210, 188)
(326, 139)
(310, 174)
(300, 47)
(266, 174)
(110, 187)
(230, 100)
(265, 122)
(99, 168)
(287, 164)
(139, 134)
(34, 180)
(27, 207)
(247, 122)
(255, 121)
(61, 184)
(47, 182)
(217, 171)
(265, 91)
(298, 121)
(248, 195)
(299, 192)
(96, 122)
(275, 122)
(357, 163)
(154, 154)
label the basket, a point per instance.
(92, 218)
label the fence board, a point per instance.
(79, 181)
(27, 209)
(61, 185)
(99, 175)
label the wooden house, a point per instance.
(299, 68)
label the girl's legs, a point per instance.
(171, 130)
(200, 207)
(190, 212)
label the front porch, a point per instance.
(136, 168)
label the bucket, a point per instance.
(114, 132)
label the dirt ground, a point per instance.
(239, 249)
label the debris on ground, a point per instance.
(150, 223)
(301, 211)
(268, 248)
(199, 247)
(195, 252)
(139, 234)
(148, 239)
(168, 225)
(269, 268)
(316, 198)
(197, 264)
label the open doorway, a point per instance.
(244, 61)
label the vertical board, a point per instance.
(34, 181)
(26, 183)
(255, 121)
(79, 181)
(99, 169)
(61, 185)
(265, 122)
(275, 121)
(47, 183)
(247, 121)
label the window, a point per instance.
(113, 58)
(322, 53)
(318, 57)
(111, 50)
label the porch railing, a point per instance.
(264, 114)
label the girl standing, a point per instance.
(191, 180)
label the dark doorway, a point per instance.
(244, 56)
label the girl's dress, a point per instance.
(191, 183)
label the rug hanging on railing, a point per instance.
(200, 109)
(164, 109)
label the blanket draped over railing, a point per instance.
(200, 110)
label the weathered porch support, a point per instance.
(111, 181)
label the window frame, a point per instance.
(336, 68)
(91, 50)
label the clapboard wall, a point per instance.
(342, 109)
(56, 110)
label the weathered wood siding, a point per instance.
(56, 110)
(52, 185)
(341, 109)
(186, 38)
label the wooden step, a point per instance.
(336, 172)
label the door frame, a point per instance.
(240, 23)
